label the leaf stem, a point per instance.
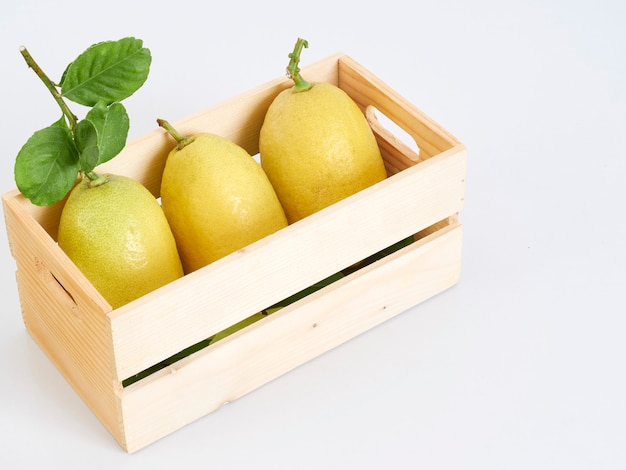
(72, 119)
(293, 71)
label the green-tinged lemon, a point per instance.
(117, 235)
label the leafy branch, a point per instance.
(47, 166)
(71, 117)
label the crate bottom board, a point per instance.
(202, 382)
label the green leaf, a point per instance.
(112, 125)
(108, 71)
(46, 166)
(62, 122)
(86, 138)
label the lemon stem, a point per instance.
(95, 179)
(181, 139)
(293, 71)
(71, 117)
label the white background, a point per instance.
(521, 365)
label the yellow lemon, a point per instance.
(216, 198)
(316, 146)
(117, 235)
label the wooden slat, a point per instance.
(267, 349)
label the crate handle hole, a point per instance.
(66, 293)
(48, 277)
(387, 129)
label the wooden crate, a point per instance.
(97, 348)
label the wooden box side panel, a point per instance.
(221, 373)
(155, 327)
(368, 91)
(66, 321)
